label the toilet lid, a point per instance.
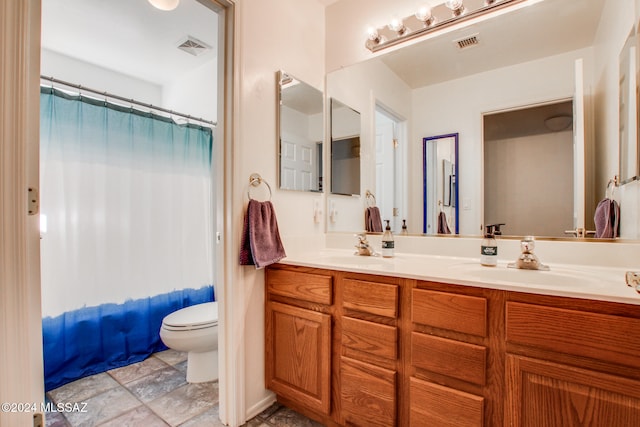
(199, 315)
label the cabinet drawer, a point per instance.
(435, 405)
(598, 336)
(459, 313)
(367, 394)
(454, 359)
(369, 297)
(303, 286)
(373, 338)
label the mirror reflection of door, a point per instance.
(529, 170)
(390, 148)
(440, 166)
(345, 149)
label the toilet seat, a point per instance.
(199, 316)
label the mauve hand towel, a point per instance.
(373, 220)
(261, 244)
(443, 227)
(607, 219)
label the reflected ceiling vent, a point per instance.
(193, 46)
(467, 42)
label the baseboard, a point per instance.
(256, 409)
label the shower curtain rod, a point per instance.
(128, 100)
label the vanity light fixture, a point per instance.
(165, 4)
(431, 18)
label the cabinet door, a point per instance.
(298, 355)
(541, 393)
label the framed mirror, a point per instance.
(440, 184)
(300, 134)
(628, 103)
(345, 149)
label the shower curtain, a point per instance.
(127, 198)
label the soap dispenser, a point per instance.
(387, 242)
(404, 227)
(489, 248)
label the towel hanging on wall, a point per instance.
(372, 217)
(607, 215)
(261, 244)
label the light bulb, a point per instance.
(424, 14)
(165, 4)
(397, 25)
(372, 34)
(456, 6)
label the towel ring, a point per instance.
(615, 183)
(371, 199)
(254, 181)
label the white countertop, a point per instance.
(596, 283)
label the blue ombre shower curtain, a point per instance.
(127, 198)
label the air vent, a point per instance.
(467, 42)
(193, 46)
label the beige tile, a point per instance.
(256, 422)
(55, 419)
(141, 416)
(103, 407)
(285, 417)
(137, 370)
(82, 389)
(208, 418)
(157, 383)
(186, 402)
(171, 357)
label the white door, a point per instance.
(578, 148)
(296, 161)
(385, 169)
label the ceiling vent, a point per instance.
(193, 46)
(467, 42)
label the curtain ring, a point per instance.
(254, 181)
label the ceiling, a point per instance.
(129, 36)
(544, 29)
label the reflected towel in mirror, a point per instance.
(443, 226)
(373, 220)
(607, 219)
(261, 244)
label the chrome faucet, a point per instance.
(363, 246)
(528, 260)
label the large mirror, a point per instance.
(345, 149)
(534, 54)
(440, 171)
(300, 134)
(629, 160)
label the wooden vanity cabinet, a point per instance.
(571, 362)
(298, 336)
(350, 349)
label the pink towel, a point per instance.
(260, 244)
(373, 220)
(607, 219)
(443, 227)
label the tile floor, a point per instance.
(152, 393)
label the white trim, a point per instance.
(21, 367)
(261, 406)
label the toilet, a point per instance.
(194, 329)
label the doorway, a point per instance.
(529, 169)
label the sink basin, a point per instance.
(554, 277)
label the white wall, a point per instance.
(194, 93)
(76, 71)
(270, 36)
(458, 105)
(529, 184)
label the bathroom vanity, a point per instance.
(346, 347)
